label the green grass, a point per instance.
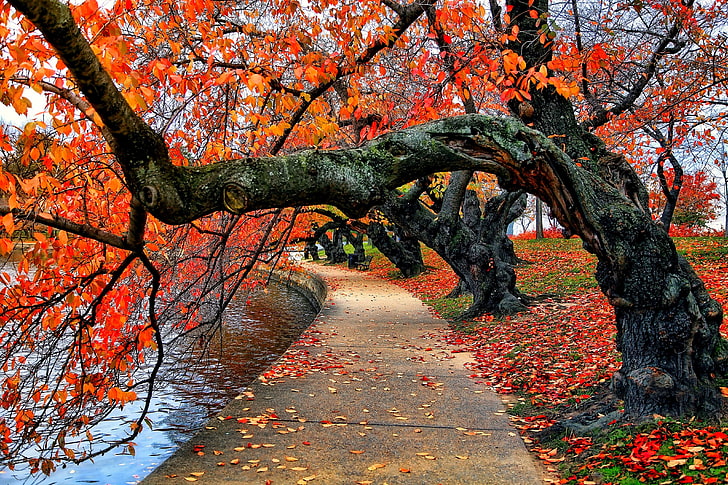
(450, 308)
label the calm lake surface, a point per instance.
(255, 334)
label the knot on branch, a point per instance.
(652, 378)
(618, 301)
(234, 198)
(649, 379)
(149, 197)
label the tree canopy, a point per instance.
(178, 140)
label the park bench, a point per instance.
(364, 265)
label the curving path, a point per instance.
(383, 401)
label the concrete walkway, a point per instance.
(384, 402)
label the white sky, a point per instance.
(35, 112)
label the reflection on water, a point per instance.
(253, 337)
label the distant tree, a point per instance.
(470, 238)
(721, 164)
(697, 205)
(399, 247)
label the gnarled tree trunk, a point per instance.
(668, 327)
(474, 245)
(405, 252)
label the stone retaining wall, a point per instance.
(310, 284)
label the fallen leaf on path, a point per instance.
(376, 466)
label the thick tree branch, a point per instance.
(420, 186)
(356, 179)
(140, 151)
(180, 194)
(452, 200)
(353, 179)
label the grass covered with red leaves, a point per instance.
(557, 359)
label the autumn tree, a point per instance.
(340, 228)
(696, 207)
(721, 165)
(179, 129)
(649, 82)
(440, 211)
(220, 100)
(399, 247)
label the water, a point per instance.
(254, 336)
